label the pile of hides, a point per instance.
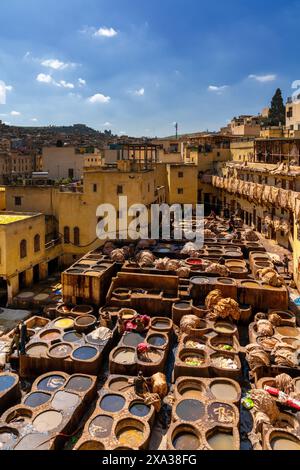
(183, 272)
(270, 277)
(285, 355)
(145, 259)
(189, 322)
(227, 308)
(274, 319)
(251, 236)
(265, 328)
(284, 383)
(256, 356)
(119, 255)
(102, 334)
(167, 264)
(213, 298)
(191, 250)
(265, 409)
(218, 269)
(159, 385)
(209, 234)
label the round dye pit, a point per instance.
(6, 382)
(224, 362)
(221, 413)
(36, 399)
(285, 441)
(32, 442)
(131, 437)
(224, 328)
(47, 421)
(65, 400)
(151, 356)
(64, 323)
(250, 284)
(199, 280)
(85, 353)
(223, 390)
(61, 351)
(118, 384)
(161, 324)
(287, 331)
(79, 384)
(186, 440)
(139, 409)
(112, 403)
(194, 359)
(191, 389)
(133, 339)
(51, 383)
(72, 337)
(86, 309)
(37, 350)
(101, 426)
(86, 321)
(124, 356)
(190, 410)
(50, 335)
(156, 340)
(220, 440)
(20, 417)
(182, 306)
(91, 445)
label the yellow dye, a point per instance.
(64, 323)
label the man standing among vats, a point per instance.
(23, 337)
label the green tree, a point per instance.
(277, 110)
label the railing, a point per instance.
(53, 243)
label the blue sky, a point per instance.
(136, 66)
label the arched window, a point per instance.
(76, 236)
(23, 249)
(37, 243)
(67, 234)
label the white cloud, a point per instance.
(140, 92)
(8, 88)
(3, 89)
(34, 120)
(44, 78)
(98, 98)
(263, 78)
(107, 123)
(55, 64)
(15, 113)
(217, 89)
(81, 82)
(105, 32)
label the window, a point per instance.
(180, 174)
(67, 234)
(71, 173)
(218, 154)
(283, 184)
(37, 243)
(180, 191)
(76, 236)
(119, 189)
(94, 188)
(18, 201)
(23, 249)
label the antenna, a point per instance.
(176, 129)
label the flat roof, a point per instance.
(7, 218)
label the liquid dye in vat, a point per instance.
(283, 443)
(139, 409)
(118, 384)
(64, 400)
(6, 381)
(38, 350)
(64, 323)
(156, 340)
(101, 426)
(72, 337)
(190, 410)
(91, 445)
(50, 335)
(51, 383)
(221, 328)
(221, 413)
(112, 403)
(125, 356)
(162, 325)
(47, 421)
(133, 339)
(221, 441)
(224, 391)
(287, 331)
(186, 441)
(130, 437)
(36, 399)
(79, 384)
(61, 350)
(85, 353)
(191, 393)
(151, 356)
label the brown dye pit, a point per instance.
(79, 384)
(221, 441)
(151, 356)
(19, 418)
(287, 331)
(101, 426)
(91, 445)
(190, 410)
(221, 413)
(64, 400)
(118, 384)
(61, 350)
(285, 443)
(47, 421)
(250, 284)
(50, 335)
(37, 350)
(125, 356)
(130, 437)
(186, 441)
(224, 391)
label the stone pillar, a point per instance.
(12, 288)
(43, 267)
(29, 277)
